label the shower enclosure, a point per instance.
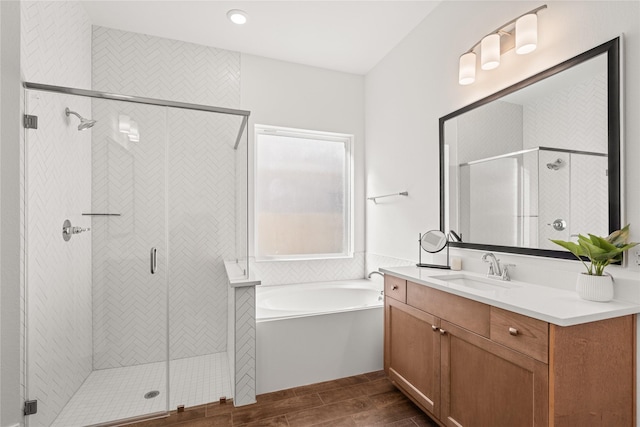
(130, 210)
(527, 197)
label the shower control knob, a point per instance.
(559, 224)
(78, 230)
(68, 230)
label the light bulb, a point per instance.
(237, 16)
(490, 52)
(467, 70)
(526, 34)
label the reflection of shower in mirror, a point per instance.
(555, 165)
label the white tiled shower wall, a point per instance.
(56, 49)
(201, 190)
(207, 195)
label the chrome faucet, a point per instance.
(495, 270)
(494, 264)
(375, 272)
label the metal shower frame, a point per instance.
(31, 122)
(142, 100)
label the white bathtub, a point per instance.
(314, 332)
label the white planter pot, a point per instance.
(595, 288)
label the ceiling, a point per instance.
(348, 36)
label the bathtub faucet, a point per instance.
(375, 272)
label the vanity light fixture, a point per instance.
(521, 33)
(237, 16)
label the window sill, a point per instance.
(306, 258)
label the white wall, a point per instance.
(284, 94)
(416, 84)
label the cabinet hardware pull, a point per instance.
(513, 331)
(434, 328)
(395, 287)
(442, 331)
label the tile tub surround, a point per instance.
(558, 306)
(363, 400)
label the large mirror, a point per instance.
(536, 161)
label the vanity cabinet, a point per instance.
(470, 364)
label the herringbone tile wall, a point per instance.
(200, 193)
(58, 183)
(202, 228)
(480, 137)
(320, 270)
(142, 65)
(374, 261)
(56, 43)
(129, 304)
(56, 49)
(564, 119)
(245, 346)
(589, 182)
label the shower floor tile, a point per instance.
(118, 393)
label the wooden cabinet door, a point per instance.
(412, 353)
(485, 384)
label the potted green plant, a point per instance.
(595, 285)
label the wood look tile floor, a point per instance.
(365, 400)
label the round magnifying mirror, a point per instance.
(433, 241)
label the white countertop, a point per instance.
(558, 306)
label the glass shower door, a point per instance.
(96, 319)
(130, 254)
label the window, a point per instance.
(302, 194)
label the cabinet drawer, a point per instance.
(521, 333)
(395, 288)
(471, 315)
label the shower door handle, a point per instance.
(154, 260)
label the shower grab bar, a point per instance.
(154, 260)
(403, 193)
(101, 214)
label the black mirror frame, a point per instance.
(612, 49)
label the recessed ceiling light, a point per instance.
(237, 16)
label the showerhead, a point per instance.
(555, 165)
(84, 123)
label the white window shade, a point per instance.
(302, 194)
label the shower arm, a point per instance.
(67, 112)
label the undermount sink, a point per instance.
(477, 282)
